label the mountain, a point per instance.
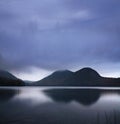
(28, 83)
(84, 77)
(7, 79)
(5, 74)
(56, 78)
(90, 77)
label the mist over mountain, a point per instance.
(7, 79)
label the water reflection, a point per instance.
(32, 96)
(83, 96)
(7, 94)
(59, 106)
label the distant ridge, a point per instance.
(55, 78)
(83, 77)
(7, 79)
(5, 74)
(87, 73)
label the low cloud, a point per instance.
(58, 34)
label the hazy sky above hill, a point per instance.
(38, 37)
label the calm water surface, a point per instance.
(39, 105)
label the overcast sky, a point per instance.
(38, 37)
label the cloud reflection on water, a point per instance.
(34, 96)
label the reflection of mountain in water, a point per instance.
(7, 94)
(83, 96)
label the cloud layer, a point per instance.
(58, 34)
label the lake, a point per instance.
(53, 105)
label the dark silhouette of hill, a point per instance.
(83, 77)
(7, 79)
(56, 78)
(5, 74)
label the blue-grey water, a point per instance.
(48, 105)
